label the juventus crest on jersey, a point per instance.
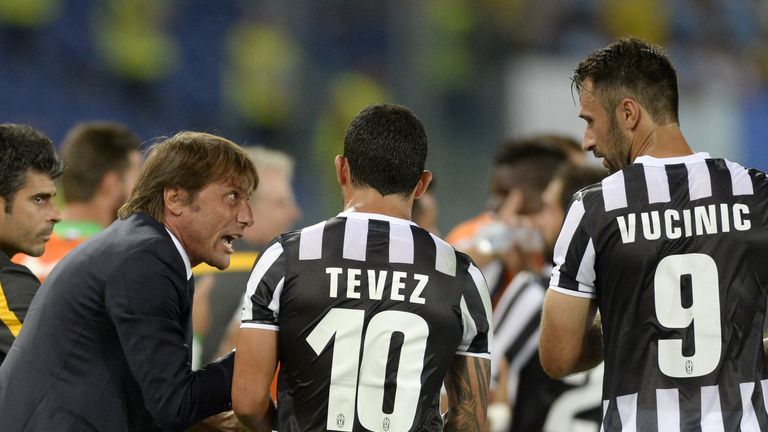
(674, 251)
(371, 311)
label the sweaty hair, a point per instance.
(190, 161)
(22, 149)
(632, 68)
(386, 147)
(89, 152)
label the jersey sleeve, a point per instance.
(261, 305)
(477, 337)
(574, 256)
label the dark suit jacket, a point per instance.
(106, 345)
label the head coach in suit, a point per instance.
(107, 341)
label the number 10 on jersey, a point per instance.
(362, 380)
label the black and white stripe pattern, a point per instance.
(616, 236)
(674, 413)
(405, 242)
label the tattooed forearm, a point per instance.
(467, 386)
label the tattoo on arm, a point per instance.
(467, 386)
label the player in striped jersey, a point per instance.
(670, 249)
(366, 312)
(535, 401)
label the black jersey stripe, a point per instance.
(635, 186)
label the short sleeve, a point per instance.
(261, 304)
(574, 256)
(477, 336)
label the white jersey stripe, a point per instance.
(355, 239)
(605, 410)
(657, 183)
(668, 409)
(260, 326)
(699, 183)
(764, 386)
(571, 223)
(445, 256)
(614, 191)
(586, 273)
(711, 410)
(311, 242)
(274, 305)
(265, 262)
(627, 405)
(748, 416)
(485, 297)
(470, 328)
(400, 243)
(740, 179)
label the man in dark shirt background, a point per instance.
(28, 167)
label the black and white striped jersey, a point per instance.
(371, 311)
(674, 251)
(539, 403)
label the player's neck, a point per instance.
(90, 212)
(369, 200)
(663, 141)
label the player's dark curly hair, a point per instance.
(23, 148)
(632, 68)
(386, 147)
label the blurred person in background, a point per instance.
(219, 294)
(525, 398)
(101, 163)
(670, 248)
(520, 171)
(28, 167)
(424, 306)
(107, 341)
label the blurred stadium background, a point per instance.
(290, 74)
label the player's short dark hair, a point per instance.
(632, 68)
(90, 150)
(189, 161)
(22, 149)
(538, 155)
(386, 147)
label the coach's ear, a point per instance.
(343, 175)
(175, 199)
(423, 184)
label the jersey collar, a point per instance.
(367, 216)
(694, 158)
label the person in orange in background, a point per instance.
(520, 171)
(101, 163)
